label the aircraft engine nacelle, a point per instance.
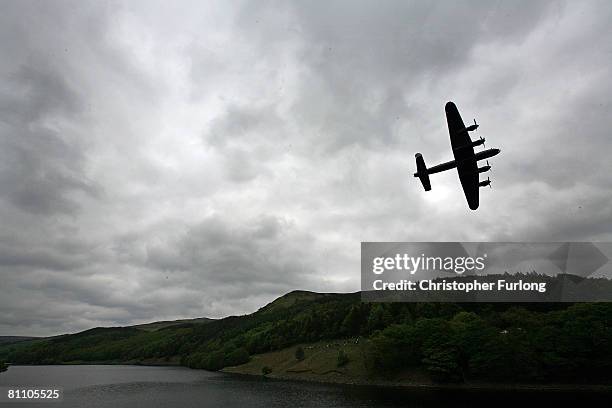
(484, 168)
(470, 128)
(473, 127)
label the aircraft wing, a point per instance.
(467, 167)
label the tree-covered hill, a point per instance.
(537, 342)
(14, 339)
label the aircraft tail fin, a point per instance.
(422, 172)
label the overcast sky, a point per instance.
(163, 160)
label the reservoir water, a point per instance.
(119, 386)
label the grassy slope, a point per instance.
(320, 365)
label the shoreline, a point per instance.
(416, 386)
(319, 365)
(105, 363)
(476, 386)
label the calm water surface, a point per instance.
(135, 386)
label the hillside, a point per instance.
(342, 338)
(4, 340)
(170, 323)
(319, 363)
(11, 345)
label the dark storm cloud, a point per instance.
(162, 162)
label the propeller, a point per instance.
(483, 140)
(489, 165)
(489, 180)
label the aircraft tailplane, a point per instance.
(422, 172)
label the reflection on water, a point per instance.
(134, 386)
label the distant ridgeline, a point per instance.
(536, 342)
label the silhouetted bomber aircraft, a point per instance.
(466, 161)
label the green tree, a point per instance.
(214, 361)
(441, 363)
(379, 317)
(342, 359)
(439, 352)
(237, 357)
(395, 347)
(351, 324)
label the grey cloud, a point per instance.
(245, 125)
(361, 61)
(248, 139)
(39, 167)
(240, 166)
(164, 162)
(267, 251)
(37, 258)
(38, 91)
(42, 166)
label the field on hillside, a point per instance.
(320, 364)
